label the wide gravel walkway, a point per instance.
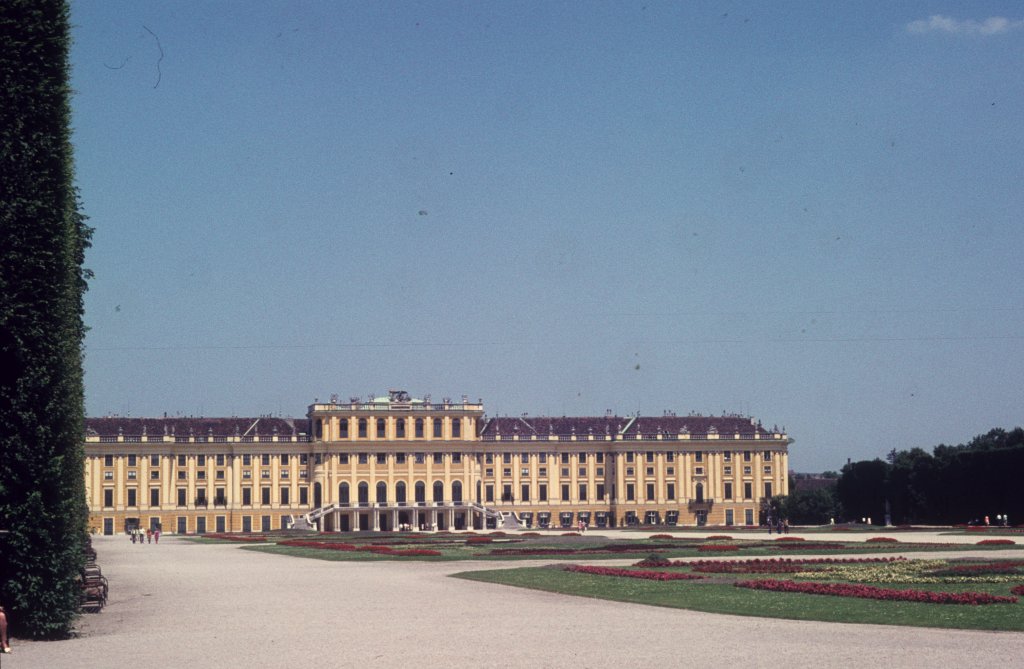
(182, 604)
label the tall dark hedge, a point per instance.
(43, 238)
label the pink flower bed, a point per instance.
(1017, 590)
(790, 539)
(661, 536)
(882, 540)
(718, 537)
(707, 548)
(632, 573)
(247, 538)
(996, 542)
(808, 545)
(376, 549)
(872, 592)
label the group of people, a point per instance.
(781, 525)
(144, 536)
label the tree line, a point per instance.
(951, 485)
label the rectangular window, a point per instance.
(220, 474)
(201, 475)
(382, 458)
(343, 428)
(303, 473)
(670, 471)
(670, 491)
(381, 429)
(728, 470)
(506, 493)
(727, 456)
(132, 475)
(304, 495)
(488, 472)
(746, 470)
(565, 472)
(456, 458)
(108, 476)
(729, 520)
(565, 458)
(201, 525)
(200, 461)
(265, 495)
(748, 516)
(132, 461)
(542, 471)
(265, 460)
(181, 461)
(264, 473)
(506, 458)
(748, 490)
(284, 459)
(524, 472)
(154, 461)
(629, 457)
(698, 456)
(438, 458)
(181, 496)
(489, 492)
(565, 492)
(746, 456)
(303, 459)
(649, 456)
(420, 458)
(108, 460)
(246, 496)
(456, 429)
(728, 490)
(629, 471)
(400, 429)
(650, 492)
(438, 428)
(264, 523)
(247, 523)
(767, 470)
(670, 457)
(506, 471)
(364, 458)
(525, 492)
(284, 473)
(220, 459)
(108, 497)
(524, 458)
(600, 492)
(583, 472)
(247, 460)
(154, 496)
(343, 458)
(698, 471)
(419, 428)
(154, 475)
(583, 492)
(650, 471)
(132, 497)
(767, 488)
(600, 458)
(362, 428)
(286, 495)
(542, 492)
(489, 459)
(630, 492)
(542, 458)
(399, 458)
(767, 456)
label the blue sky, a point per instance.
(807, 212)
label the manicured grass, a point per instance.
(723, 597)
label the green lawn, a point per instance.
(721, 596)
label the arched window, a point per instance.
(343, 428)
(343, 493)
(382, 492)
(700, 492)
(319, 428)
(400, 428)
(457, 491)
(364, 493)
(437, 428)
(438, 491)
(421, 491)
(362, 428)
(318, 495)
(382, 430)
(400, 492)
(419, 428)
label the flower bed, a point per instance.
(1017, 590)
(790, 539)
(996, 542)
(661, 536)
(773, 565)
(718, 537)
(632, 573)
(246, 538)
(882, 540)
(808, 545)
(872, 592)
(473, 541)
(708, 548)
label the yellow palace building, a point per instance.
(398, 462)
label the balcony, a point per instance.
(700, 504)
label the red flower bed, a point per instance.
(570, 534)
(790, 539)
(882, 540)
(872, 592)
(661, 536)
(247, 538)
(497, 533)
(718, 537)
(415, 552)
(633, 573)
(532, 551)
(530, 534)
(300, 543)
(472, 541)
(1017, 590)
(774, 565)
(809, 546)
(707, 548)
(996, 542)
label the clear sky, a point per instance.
(805, 212)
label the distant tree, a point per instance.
(811, 507)
(861, 490)
(43, 238)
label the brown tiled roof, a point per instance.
(200, 427)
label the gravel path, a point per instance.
(184, 604)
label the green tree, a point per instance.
(861, 490)
(815, 506)
(43, 238)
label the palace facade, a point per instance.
(396, 462)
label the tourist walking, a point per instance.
(4, 646)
